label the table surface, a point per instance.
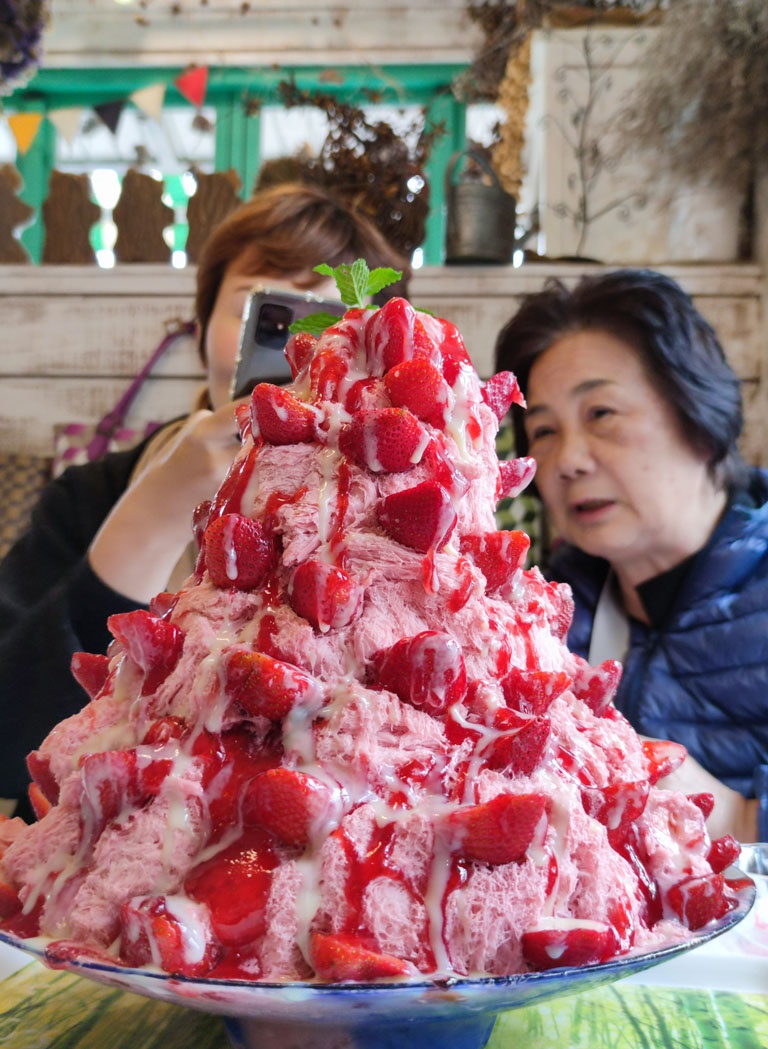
(712, 998)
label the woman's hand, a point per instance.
(146, 532)
(733, 813)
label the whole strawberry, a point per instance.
(324, 595)
(238, 552)
(421, 518)
(279, 417)
(418, 386)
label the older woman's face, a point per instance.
(223, 331)
(616, 473)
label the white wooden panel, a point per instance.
(218, 32)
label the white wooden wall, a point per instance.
(71, 338)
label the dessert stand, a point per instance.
(449, 1014)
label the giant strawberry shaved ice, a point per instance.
(355, 745)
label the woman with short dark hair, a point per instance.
(633, 416)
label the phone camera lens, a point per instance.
(272, 325)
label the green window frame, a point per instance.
(232, 92)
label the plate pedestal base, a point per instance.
(461, 1032)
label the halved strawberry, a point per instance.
(596, 686)
(235, 886)
(514, 476)
(239, 552)
(287, 803)
(279, 417)
(366, 395)
(344, 957)
(90, 671)
(616, 805)
(663, 757)
(299, 350)
(426, 670)
(179, 940)
(723, 852)
(266, 686)
(418, 386)
(533, 691)
(497, 831)
(498, 555)
(421, 518)
(500, 392)
(385, 440)
(521, 747)
(153, 644)
(698, 900)
(555, 942)
(324, 595)
(395, 334)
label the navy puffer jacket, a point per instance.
(701, 678)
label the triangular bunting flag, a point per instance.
(66, 121)
(193, 85)
(24, 127)
(150, 99)
(109, 113)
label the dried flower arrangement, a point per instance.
(702, 103)
(21, 35)
(369, 164)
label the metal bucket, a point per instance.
(480, 218)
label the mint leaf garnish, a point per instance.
(356, 284)
(315, 323)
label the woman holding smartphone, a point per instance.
(106, 537)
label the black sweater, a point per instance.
(52, 605)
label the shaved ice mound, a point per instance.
(355, 745)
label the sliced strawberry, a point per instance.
(239, 552)
(179, 940)
(115, 779)
(395, 334)
(299, 350)
(10, 904)
(521, 747)
(514, 476)
(616, 805)
(235, 885)
(39, 802)
(704, 801)
(162, 604)
(418, 386)
(385, 440)
(279, 417)
(533, 691)
(243, 420)
(723, 852)
(40, 771)
(200, 518)
(497, 831)
(421, 518)
(366, 395)
(344, 957)
(498, 555)
(426, 670)
(327, 372)
(443, 470)
(596, 686)
(698, 900)
(90, 671)
(500, 392)
(266, 686)
(555, 942)
(288, 804)
(324, 595)
(163, 730)
(153, 644)
(663, 757)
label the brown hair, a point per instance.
(284, 232)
